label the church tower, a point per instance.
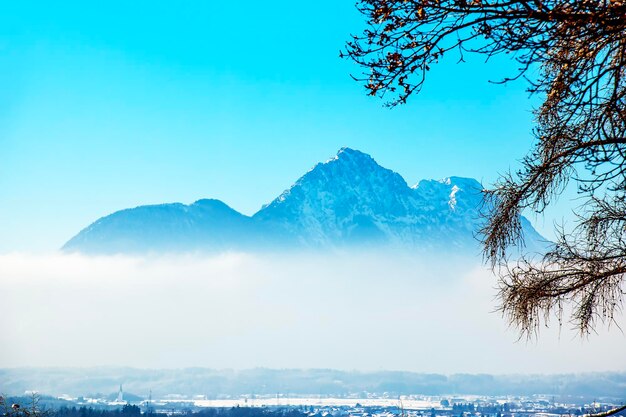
(120, 395)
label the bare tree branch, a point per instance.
(579, 49)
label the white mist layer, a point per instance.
(344, 311)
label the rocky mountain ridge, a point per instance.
(346, 201)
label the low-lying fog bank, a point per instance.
(365, 311)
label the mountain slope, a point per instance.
(345, 201)
(350, 198)
(205, 224)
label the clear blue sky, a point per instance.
(130, 103)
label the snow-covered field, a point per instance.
(408, 404)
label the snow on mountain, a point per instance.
(349, 198)
(345, 201)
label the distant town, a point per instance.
(354, 405)
(260, 392)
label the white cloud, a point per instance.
(349, 311)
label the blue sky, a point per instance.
(118, 105)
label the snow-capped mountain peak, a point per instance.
(349, 199)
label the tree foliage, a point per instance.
(577, 53)
(29, 408)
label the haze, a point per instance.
(367, 311)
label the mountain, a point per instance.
(205, 224)
(349, 198)
(345, 201)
